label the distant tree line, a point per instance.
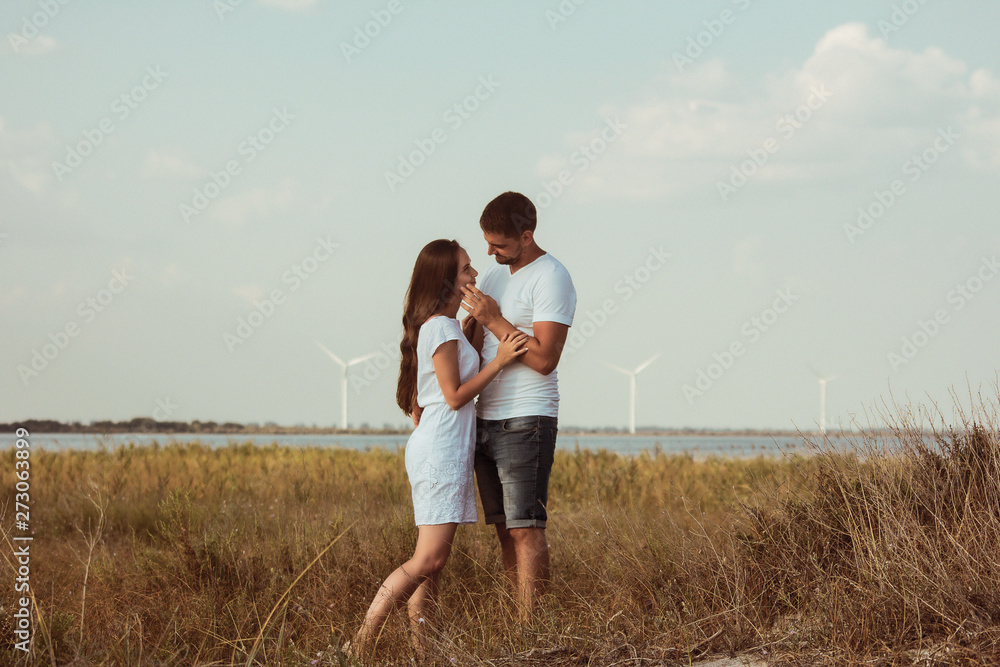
(150, 425)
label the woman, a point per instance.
(438, 373)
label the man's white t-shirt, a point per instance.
(539, 292)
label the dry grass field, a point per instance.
(188, 555)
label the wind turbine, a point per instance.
(632, 374)
(343, 385)
(822, 397)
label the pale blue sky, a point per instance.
(873, 84)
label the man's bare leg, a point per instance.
(509, 555)
(531, 551)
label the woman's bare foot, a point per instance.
(350, 649)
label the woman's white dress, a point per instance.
(441, 450)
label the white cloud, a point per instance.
(985, 84)
(30, 175)
(172, 274)
(169, 164)
(14, 297)
(855, 104)
(38, 45)
(290, 5)
(249, 293)
(747, 257)
(883, 85)
(24, 156)
(255, 204)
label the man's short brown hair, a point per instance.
(509, 215)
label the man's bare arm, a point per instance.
(544, 348)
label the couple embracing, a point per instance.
(505, 352)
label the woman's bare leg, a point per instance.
(429, 557)
(421, 610)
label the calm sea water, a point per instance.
(715, 445)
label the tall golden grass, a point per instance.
(189, 555)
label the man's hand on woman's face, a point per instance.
(481, 306)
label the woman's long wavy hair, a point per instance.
(431, 288)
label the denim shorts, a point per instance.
(513, 463)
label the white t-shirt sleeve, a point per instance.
(439, 332)
(554, 298)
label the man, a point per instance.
(527, 290)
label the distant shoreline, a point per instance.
(152, 426)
